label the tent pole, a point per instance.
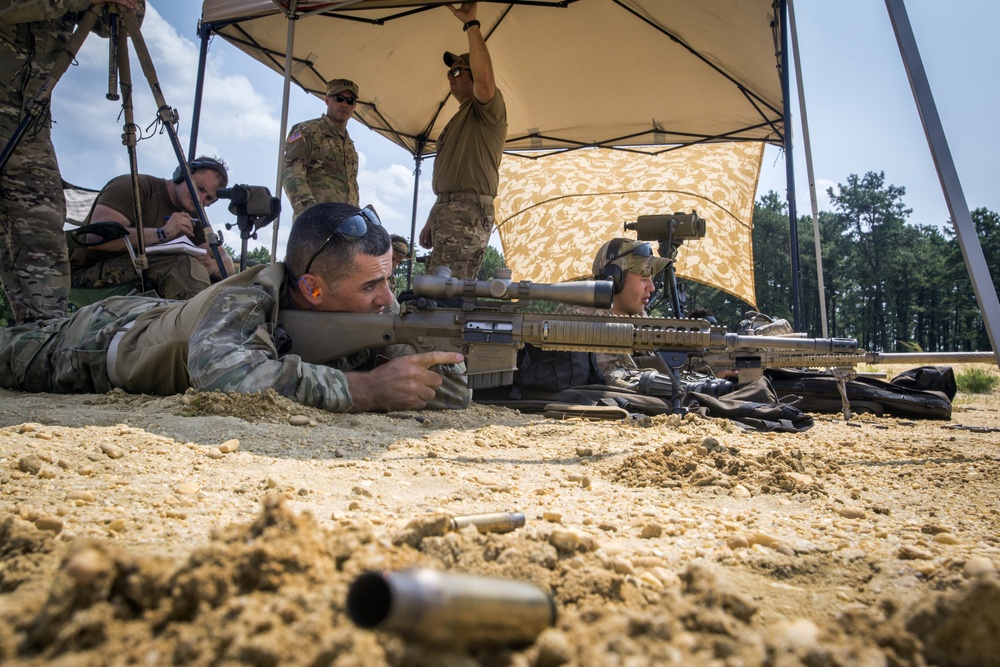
(965, 229)
(793, 232)
(417, 160)
(204, 32)
(817, 241)
(285, 94)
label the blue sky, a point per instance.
(861, 112)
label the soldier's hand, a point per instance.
(426, 240)
(178, 224)
(465, 12)
(405, 383)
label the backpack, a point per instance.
(929, 378)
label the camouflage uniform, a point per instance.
(466, 174)
(34, 265)
(321, 165)
(461, 226)
(224, 339)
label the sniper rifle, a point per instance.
(490, 333)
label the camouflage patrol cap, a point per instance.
(400, 246)
(452, 59)
(631, 255)
(340, 85)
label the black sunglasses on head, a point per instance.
(345, 100)
(457, 71)
(351, 228)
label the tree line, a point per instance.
(895, 286)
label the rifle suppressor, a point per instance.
(448, 608)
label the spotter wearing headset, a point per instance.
(208, 176)
(630, 265)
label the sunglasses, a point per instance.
(345, 100)
(455, 72)
(351, 228)
(643, 250)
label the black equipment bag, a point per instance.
(929, 378)
(819, 393)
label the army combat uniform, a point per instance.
(466, 174)
(34, 264)
(226, 338)
(321, 165)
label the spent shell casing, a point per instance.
(494, 522)
(448, 608)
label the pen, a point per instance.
(167, 217)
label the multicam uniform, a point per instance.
(466, 173)
(321, 165)
(34, 264)
(225, 339)
(173, 275)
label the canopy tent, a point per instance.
(620, 74)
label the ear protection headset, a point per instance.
(611, 271)
(194, 165)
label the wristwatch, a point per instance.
(161, 236)
(469, 24)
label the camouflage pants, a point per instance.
(173, 276)
(67, 354)
(460, 228)
(34, 260)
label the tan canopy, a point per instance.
(554, 213)
(574, 73)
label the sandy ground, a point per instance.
(227, 530)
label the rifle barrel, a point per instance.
(919, 358)
(829, 345)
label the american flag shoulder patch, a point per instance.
(295, 136)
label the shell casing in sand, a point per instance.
(450, 608)
(494, 522)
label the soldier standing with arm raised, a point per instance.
(467, 163)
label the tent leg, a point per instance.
(205, 32)
(793, 231)
(417, 160)
(965, 229)
(283, 130)
(817, 241)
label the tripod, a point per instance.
(122, 25)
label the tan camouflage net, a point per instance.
(554, 212)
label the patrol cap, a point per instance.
(340, 85)
(400, 246)
(631, 255)
(451, 59)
